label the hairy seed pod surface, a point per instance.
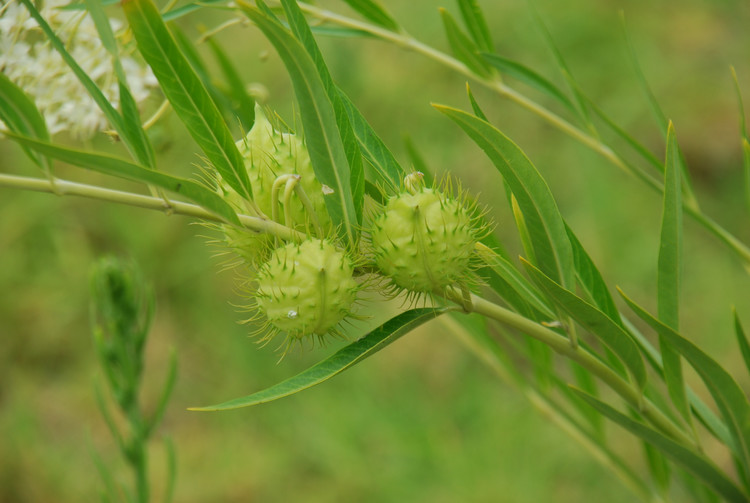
(306, 288)
(423, 240)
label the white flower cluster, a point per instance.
(31, 62)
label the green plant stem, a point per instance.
(562, 345)
(495, 83)
(64, 187)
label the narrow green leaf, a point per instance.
(727, 394)
(595, 321)
(528, 76)
(418, 162)
(322, 135)
(699, 466)
(591, 279)
(373, 11)
(745, 142)
(19, 113)
(133, 132)
(476, 24)
(474, 105)
(462, 46)
(340, 361)
(513, 282)
(375, 152)
(564, 70)
(171, 469)
(668, 276)
(742, 341)
(656, 110)
(244, 104)
(549, 238)
(124, 169)
(186, 93)
(658, 466)
(301, 29)
(189, 8)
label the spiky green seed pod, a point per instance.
(276, 162)
(269, 154)
(424, 239)
(305, 289)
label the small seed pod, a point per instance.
(305, 289)
(271, 155)
(424, 239)
(284, 189)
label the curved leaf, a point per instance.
(322, 136)
(729, 397)
(343, 359)
(476, 24)
(545, 225)
(374, 12)
(19, 113)
(124, 169)
(699, 466)
(595, 321)
(528, 76)
(186, 93)
(462, 46)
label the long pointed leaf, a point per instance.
(476, 24)
(374, 12)
(668, 277)
(322, 135)
(20, 114)
(124, 169)
(343, 359)
(547, 232)
(301, 29)
(699, 466)
(596, 322)
(462, 46)
(742, 341)
(244, 104)
(530, 77)
(186, 93)
(727, 394)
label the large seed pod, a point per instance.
(424, 239)
(305, 289)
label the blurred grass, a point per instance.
(421, 421)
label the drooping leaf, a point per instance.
(596, 322)
(340, 361)
(528, 76)
(186, 93)
(729, 397)
(668, 277)
(20, 114)
(319, 120)
(462, 46)
(125, 169)
(552, 248)
(473, 17)
(373, 11)
(694, 463)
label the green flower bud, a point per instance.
(424, 239)
(305, 289)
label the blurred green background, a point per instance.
(423, 421)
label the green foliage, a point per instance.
(546, 325)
